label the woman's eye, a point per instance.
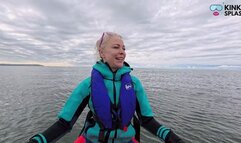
(118, 47)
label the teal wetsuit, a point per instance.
(80, 97)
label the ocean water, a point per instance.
(201, 106)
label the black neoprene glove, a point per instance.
(173, 138)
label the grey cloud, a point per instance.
(155, 32)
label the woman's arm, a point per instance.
(146, 118)
(150, 124)
(68, 115)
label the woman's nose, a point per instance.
(122, 50)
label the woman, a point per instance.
(113, 96)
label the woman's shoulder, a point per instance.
(136, 81)
(86, 80)
(85, 83)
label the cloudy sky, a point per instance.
(156, 32)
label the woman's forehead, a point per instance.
(116, 40)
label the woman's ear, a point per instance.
(101, 53)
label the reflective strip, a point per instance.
(44, 139)
(37, 138)
(165, 133)
(162, 132)
(158, 132)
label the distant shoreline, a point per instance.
(21, 65)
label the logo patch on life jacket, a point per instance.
(128, 86)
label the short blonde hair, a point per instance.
(101, 43)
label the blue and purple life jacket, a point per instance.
(107, 114)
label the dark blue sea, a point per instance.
(201, 106)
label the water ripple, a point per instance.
(200, 106)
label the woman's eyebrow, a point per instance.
(118, 45)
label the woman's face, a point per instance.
(114, 53)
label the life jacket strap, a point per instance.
(88, 117)
(97, 120)
(116, 118)
(101, 137)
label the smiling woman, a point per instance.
(117, 103)
(111, 49)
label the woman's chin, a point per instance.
(119, 65)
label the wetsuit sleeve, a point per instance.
(146, 118)
(68, 115)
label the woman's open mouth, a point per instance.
(120, 59)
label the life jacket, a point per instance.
(108, 115)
